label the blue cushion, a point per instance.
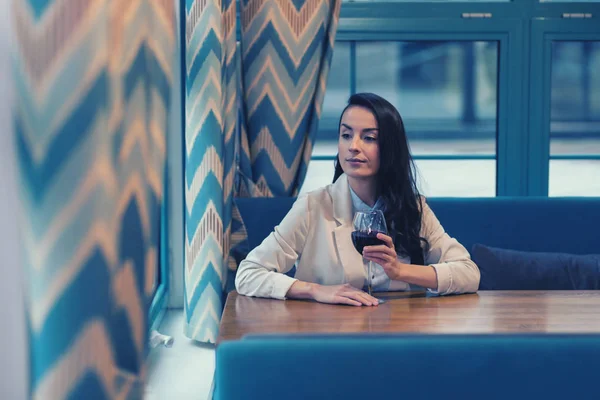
(519, 270)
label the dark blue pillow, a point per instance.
(503, 269)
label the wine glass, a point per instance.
(367, 224)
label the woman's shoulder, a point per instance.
(321, 202)
(316, 199)
(319, 194)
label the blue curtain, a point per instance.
(287, 48)
(273, 83)
(93, 82)
(211, 110)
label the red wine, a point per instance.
(362, 239)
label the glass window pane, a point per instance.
(457, 178)
(435, 178)
(337, 92)
(447, 95)
(563, 144)
(574, 178)
(446, 91)
(574, 116)
(319, 174)
(575, 84)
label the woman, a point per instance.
(374, 170)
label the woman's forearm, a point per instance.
(301, 290)
(253, 279)
(420, 275)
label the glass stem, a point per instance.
(369, 277)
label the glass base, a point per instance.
(370, 292)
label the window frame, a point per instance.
(544, 32)
(522, 146)
(507, 32)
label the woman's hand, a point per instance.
(343, 294)
(385, 255)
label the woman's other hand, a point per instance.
(343, 294)
(337, 294)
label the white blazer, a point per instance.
(316, 236)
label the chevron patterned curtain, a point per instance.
(211, 113)
(273, 83)
(93, 85)
(287, 46)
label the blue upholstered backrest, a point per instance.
(261, 215)
(467, 367)
(569, 225)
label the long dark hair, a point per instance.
(395, 181)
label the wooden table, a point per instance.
(483, 312)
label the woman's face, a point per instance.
(358, 144)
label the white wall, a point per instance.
(13, 342)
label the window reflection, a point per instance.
(575, 118)
(337, 92)
(575, 98)
(445, 91)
